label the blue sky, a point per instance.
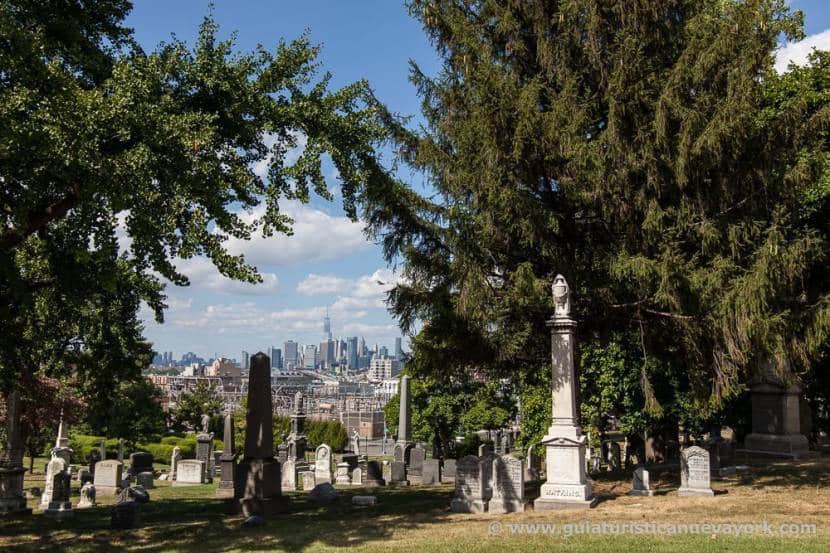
(327, 263)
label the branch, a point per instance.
(669, 315)
(39, 220)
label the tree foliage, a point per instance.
(203, 399)
(648, 152)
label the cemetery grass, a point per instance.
(192, 519)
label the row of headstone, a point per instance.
(490, 483)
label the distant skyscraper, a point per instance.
(290, 354)
(353, 352)
(276, 357)
(398, 349)
(383, 351)
(361, 348)
(310, 357)
(327, 358)
(246, 360)
(327, 326)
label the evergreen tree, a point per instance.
(645, 150)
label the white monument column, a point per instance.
(566, 485)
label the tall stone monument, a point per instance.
(12, 500)
(297, 441)
(567, 485)
(257, 482)
(227, 461)
(204, 448)
(776, 418)
(404, 443)
(62, 448)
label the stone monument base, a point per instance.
(109, 490)
(695, 492)
(12, 500)
(59, 510)
(225, 491)
(554, 497)
(508, 506)
(263, 507)
(788, 445)
(474, 506)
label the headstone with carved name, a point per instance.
(108, 479)
(431, 473)
(322, 464)
(190, 472)
(695, 476)
(508, 485)
(471, 489)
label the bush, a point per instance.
(330, 432)
(81, 445)
(161, 452)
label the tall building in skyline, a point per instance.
(353, 352)
(327, 326)
(310, 357)
(245, 363)
(398, 349)
(290, 353)
(275, 354)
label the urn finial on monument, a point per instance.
(561, 297)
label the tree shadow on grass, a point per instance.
(200, 524)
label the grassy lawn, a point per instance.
(417, 519)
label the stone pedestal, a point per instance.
(59, 505)
(776, 422)
(257, 481)
(227, 461)
(12, 500)
(204, 453)
(567, 484)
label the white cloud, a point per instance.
(317, 236)
(797, 52)
(203, 275)
(314, 285)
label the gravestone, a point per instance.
(308, 480)
(397, 475)
(448, 472)
(174, 461)
(776, 419)
(190, 472)
(695, 477)
(108, 477)
(364, 500)
(431, 472)
(140, 461)
(322, 464)
(640, 484)
(227, 461)
(342, 476)
(357, 476)
(289, 476)
(145, 479)
(87, 496)
(352, 460)
(92, 457)
(62, 448)
(282, 453)
(374, 474)
(508, 485)
(59, 505)
(470, 486)
(83, 475)
(404, 444)
(485, 449)
(415, 468)
(257, 482)
(53, 467)
(204, 453)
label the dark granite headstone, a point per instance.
(374, 474)
(140, 461)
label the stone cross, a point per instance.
(567, 484)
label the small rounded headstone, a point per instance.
(323, 493)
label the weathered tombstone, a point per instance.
(374, 474)
(398, 474)
(508, 485)
(776, 418)
(140, 461)
(566, 484)
(342, 476)
(83, 475)
(322, 464)
(282, 453)
(448, 472)
(695, 478)
(145, 479)
(190, 472)
(308, 480)
(227, 461)
(431, 472)
(53, 467)
(485, 449)
(415, 468)
(470, 487)
(204, 451)
(289, 476)
(92, 457)
(59, 505)
(87, 496)
(357, 476)
(257, 482)
(121, 450)
(108, 477)
(174, 460)
(640, 484)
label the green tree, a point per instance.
(204, 399)
(132, 412)
(117, 162)
(649, 154)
